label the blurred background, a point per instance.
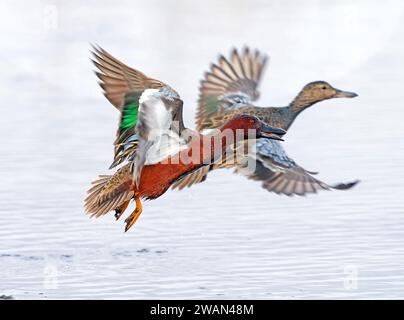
(225, 238)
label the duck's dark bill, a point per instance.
(345, 94)
(272, 132)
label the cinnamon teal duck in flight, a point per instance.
(160, 152)
(229, 89)
(163, 156)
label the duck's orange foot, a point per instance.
(130, 221)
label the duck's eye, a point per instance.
(324, 87)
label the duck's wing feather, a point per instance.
(123, 87)
(159, 128)
(197, 176)
(266, 161)
(281, 174)
(109, 192)
(126, 141)
(117, 79)
(230, 83)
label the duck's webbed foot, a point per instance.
(130, 221)
(121, 209)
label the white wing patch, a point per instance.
(157, 140)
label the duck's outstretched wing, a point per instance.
(159, 128)
(123, 86)
(117, 79)
(109, 192)
(230, 83)
(281, 174)
(266, 161)
(127, 139)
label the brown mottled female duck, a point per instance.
(228, 89)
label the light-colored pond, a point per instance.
(226, 238)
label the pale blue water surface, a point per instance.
(226, 238)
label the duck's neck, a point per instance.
(287, 115)
(301, 102)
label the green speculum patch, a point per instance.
(129, 115)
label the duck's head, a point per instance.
(318, 91)
(252, 127)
